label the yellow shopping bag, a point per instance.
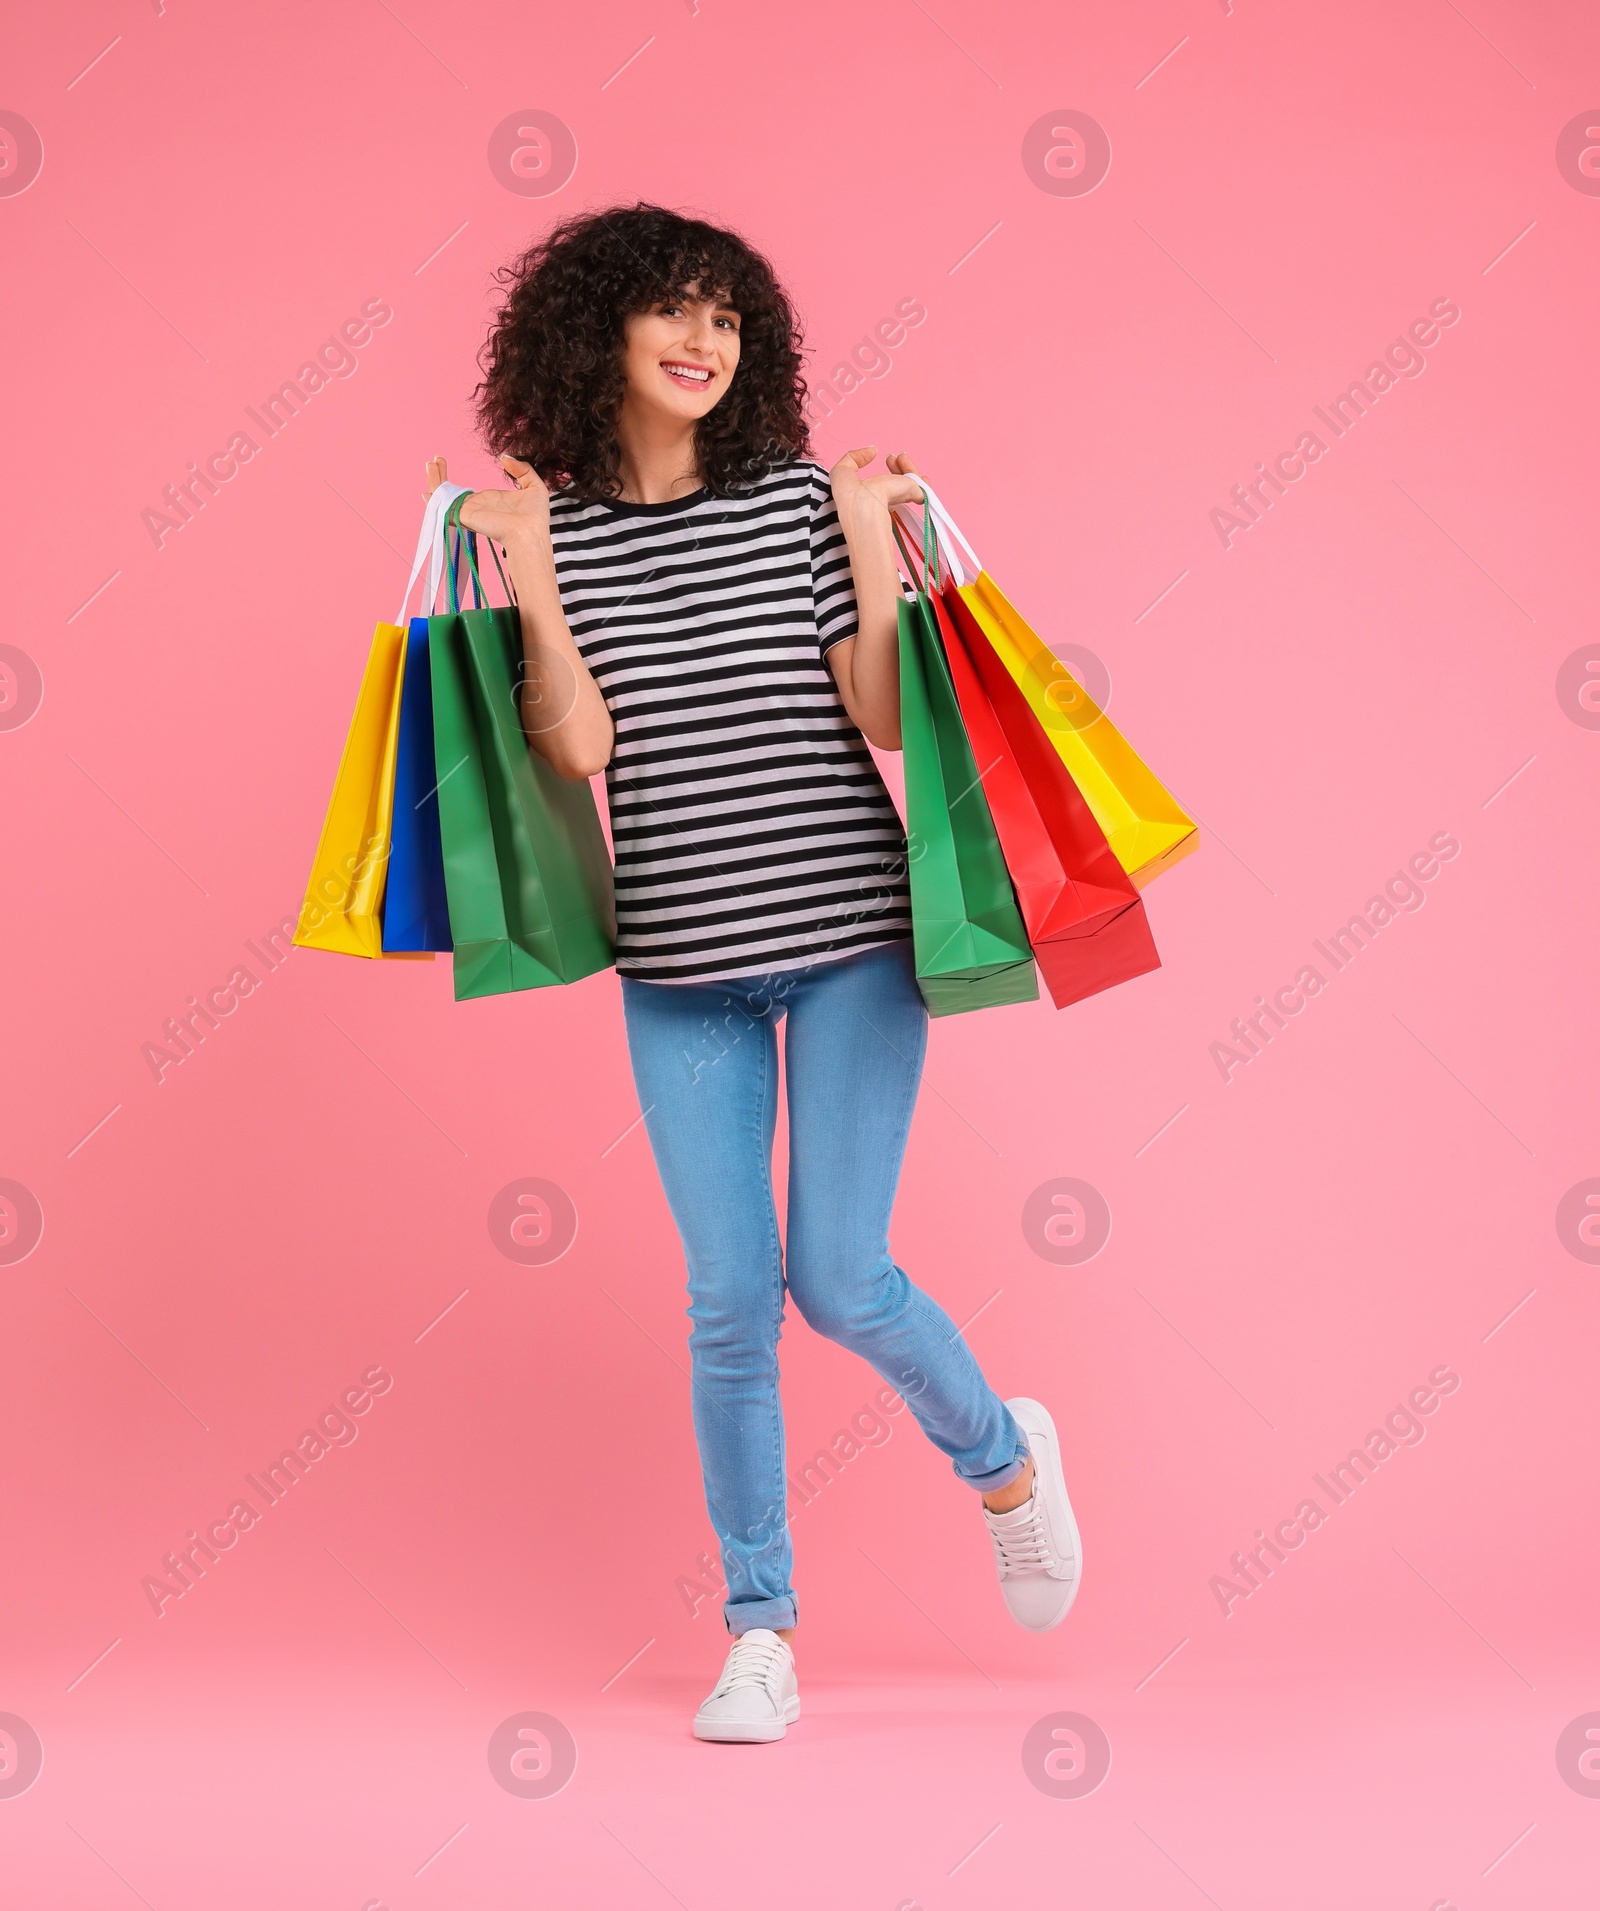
(1146, 827)
(344, 898)
(345, 893)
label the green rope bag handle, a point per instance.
(930, 550)
(452, 523)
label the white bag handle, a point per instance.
(450, 492)
(430, 548)
(943, 519)
(944, 522)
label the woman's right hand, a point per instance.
(509, 517)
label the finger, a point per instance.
(515, 469)
(862, 455)
(901, 462)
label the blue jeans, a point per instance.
(705, 1062)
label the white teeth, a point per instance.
(687, 371)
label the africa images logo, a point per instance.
(1405, 357)
(1066, 153)
(1578, 153)
(21, 154)
(532, 153)
(334, 358)
(1403, 894)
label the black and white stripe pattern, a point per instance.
(751, 829)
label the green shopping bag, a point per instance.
(525, 865)
(971, 948)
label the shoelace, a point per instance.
(751, 1662)
(1024, 1548)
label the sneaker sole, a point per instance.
(1035, 1418)
(747, 1731)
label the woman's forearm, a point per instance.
(869, 677)
(564, 715)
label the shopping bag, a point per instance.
(416, 914)
(1146, 827)
(415, 910)
(526, 869)
(344, 895)
(344, 898)
(970, 947)
(1084, 917)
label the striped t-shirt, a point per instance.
(750, 827)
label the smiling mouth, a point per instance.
(690, 377)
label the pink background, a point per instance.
(1371, 1197)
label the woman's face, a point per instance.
(678, 359)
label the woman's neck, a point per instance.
(657, 461)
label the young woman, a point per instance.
(710, 618)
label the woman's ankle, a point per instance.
(1007, 1498)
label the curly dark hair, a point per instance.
(552, 364)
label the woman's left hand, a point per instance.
(853, 494)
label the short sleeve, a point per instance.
(833, 588)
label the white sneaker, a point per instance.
(757, 1697)
(1036, 1545)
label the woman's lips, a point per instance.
(688, 377)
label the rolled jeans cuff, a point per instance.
(776, 1614)
(1000, 1476)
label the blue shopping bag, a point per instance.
(416, 915)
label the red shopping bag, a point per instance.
(1084, 918)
